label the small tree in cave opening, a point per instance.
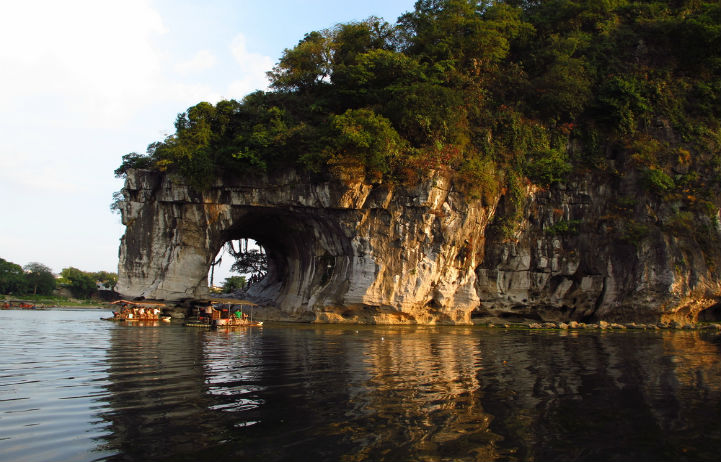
(233, 284)
(250, 262)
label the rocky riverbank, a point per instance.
(603, 325)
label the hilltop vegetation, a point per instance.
(494, 92)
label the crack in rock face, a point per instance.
(373, 253)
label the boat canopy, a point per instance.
(231, 301)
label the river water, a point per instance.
(73, 387)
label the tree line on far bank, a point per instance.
(37, 279)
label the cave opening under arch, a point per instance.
(711, 314)
(307, 256)
(240, 258)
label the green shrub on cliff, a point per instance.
(547, 167)
(486, 91)
(658, 181)
(564, 228)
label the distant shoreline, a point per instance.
(30, 304)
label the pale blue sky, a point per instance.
(85, 81)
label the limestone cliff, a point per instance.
(594, 250)
(354, 252)
(348, 251)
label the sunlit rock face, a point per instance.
(338, 251)
(355, 252)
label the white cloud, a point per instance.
(81, 83)
(253, 68)
(46, 178)
(95, 56)
(95, 64)
(202, 60)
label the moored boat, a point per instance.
(130, 311)
(13, 304)
(224, 313)
(236, 322)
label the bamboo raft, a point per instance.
(220, 314)
(140, 312)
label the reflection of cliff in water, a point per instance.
(340, 393)
(386, 393)
(157, 393)
(604, 396)
(422, 398)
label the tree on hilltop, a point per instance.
(492, 92)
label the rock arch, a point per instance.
(308, 257)
(339, 251)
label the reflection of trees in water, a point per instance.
(340, 394)
(684, 393)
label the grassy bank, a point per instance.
(49, 301)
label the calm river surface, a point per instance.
(73, 387)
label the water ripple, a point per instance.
(77, 388)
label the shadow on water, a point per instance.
(385, 393)
(607, 396)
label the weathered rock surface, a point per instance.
(339, 252)
(599, 269)
(354, 252)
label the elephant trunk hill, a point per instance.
(529, 160)
(344, 251)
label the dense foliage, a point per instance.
(34, 278)
(80, 283)
(253, 262)
(37, 279)
(491, 91)
(233, 283)
(12, 278)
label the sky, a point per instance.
(83, 82)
